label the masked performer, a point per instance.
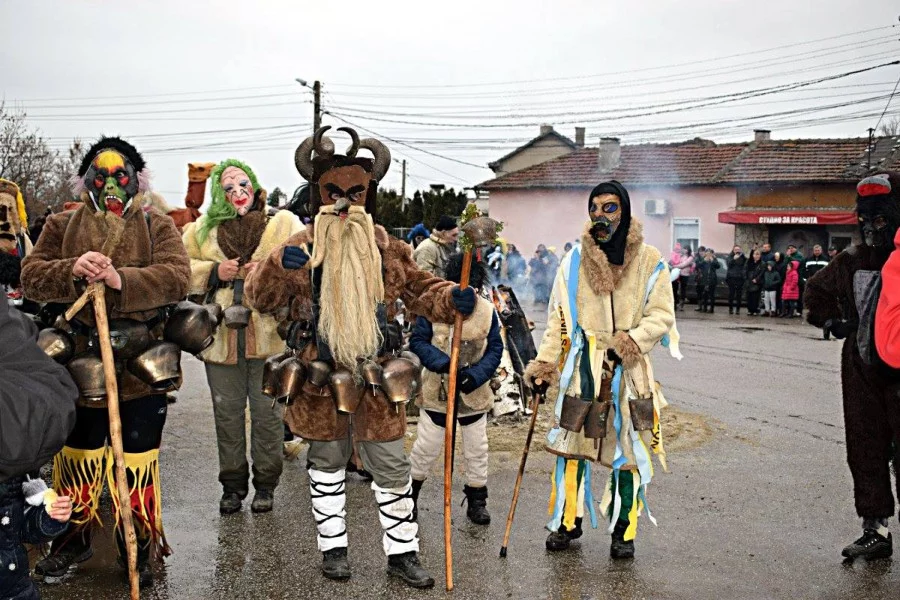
(343, 294)
(611, 305)
(139, 256)
(842, 298)
(234, 235)
(480, 352)
(14, 241)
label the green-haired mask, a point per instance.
(234, 189)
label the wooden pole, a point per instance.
(451, 422)
(98, 293)
(535, 405)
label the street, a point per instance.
(758, 508)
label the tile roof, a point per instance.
(544, 136)
(701, 162)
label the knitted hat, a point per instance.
(446, 223)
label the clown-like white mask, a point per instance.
(238, 189)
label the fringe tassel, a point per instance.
(80, 474)
(146, 498)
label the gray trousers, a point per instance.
(386, 461)
(232, 386)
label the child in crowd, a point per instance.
(771, 285)
(790, 292)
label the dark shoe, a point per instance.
(352, 468)
(477, 510)
(335, 564)
(230, 503)
(407, 567)
(559, 540)
(63, 561)
(730, 311)
(263, 501)
(619, 547)
(698, 309)
(145, 573)
(416, 488)
(870, 546)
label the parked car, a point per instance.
(721, 286)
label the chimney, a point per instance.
(545, 129)
(579, 137)
(762, 135)
(609, 154)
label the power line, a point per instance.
(629, 71)
(891, 97)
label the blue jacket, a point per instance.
(437, 361)
(19, 526)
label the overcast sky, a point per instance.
(453, 84)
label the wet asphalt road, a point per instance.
(760, 511)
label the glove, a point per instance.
(465, 382)
(464, 300)
(841, 328)
(540, 388)
(445, 368)
(294, 258)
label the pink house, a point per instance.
(673, 192)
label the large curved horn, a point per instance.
(354, 147)
(382, 157)
(324, 146)
(303, 158)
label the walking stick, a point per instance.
(96, 293)
(535, 406)
(477, 231)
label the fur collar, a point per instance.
(602, 276)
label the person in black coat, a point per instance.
(734, 277)
(708, 278)
(37, 413)
(754, 273)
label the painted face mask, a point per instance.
(112, 182)
(238, 189)
(606, 215)
(877, 211)
(344, 187)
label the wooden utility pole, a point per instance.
(403, 187)
(317, 105)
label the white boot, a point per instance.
(395, 508)
(327, 491)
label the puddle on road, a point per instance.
(745, 329)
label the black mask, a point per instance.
(613, 246)
(878, 211)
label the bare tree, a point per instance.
(890, 128)
(27, 159)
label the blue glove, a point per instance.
(294, 258)
(465, 382)
(464, 300)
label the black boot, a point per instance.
(619, 547)
(477, 510)
(335, 564)
(145, 573)
(870, 546)
(408, 568)
(263, 501)
(416, 488)
(64, 557)
(230, 502)
(559, 540)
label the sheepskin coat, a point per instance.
(271, 288)
(638, 327)
(145, 249)
(262, 339)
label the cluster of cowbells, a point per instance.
(189, 327)
(397, 379)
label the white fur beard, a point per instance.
(352, 286)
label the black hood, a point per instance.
(615, 247)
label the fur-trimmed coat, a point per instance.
(145, 249)
(271, 288)
(637, 329)
(262, 339)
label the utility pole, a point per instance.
(869, 153)
(317, 105)
(403, 187)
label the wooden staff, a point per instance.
(535, 405)
(96, 292)
(451, 422)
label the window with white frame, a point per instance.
(686, 231)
